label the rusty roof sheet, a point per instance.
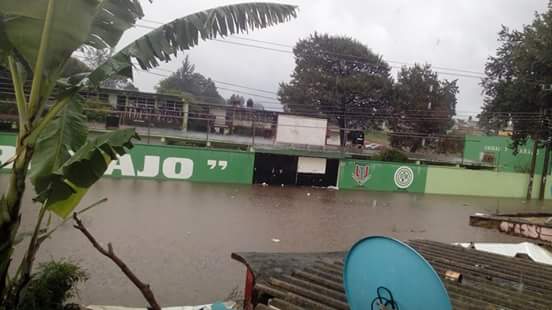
(314, 281)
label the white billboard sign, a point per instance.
(294, 129)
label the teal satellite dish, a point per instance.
(384, 273)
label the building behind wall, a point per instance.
(496, 151)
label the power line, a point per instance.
(339, 54)
(359, 112)
(329, 53)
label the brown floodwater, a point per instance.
(178, 236)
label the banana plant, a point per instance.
(37, 39)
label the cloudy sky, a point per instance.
(451, 35)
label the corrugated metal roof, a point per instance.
(314, 281)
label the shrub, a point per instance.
(391, 155)
(52, 286)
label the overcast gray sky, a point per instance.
(457, 34)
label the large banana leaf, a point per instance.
(99, 23)
(184, 33)
(23, 21)
(61, 137)
(112, 20)
(72, 180)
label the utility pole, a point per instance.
(545, 168)
(533, 161)
(532, 168)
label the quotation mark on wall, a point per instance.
(223, 164)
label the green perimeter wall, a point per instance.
(459, 181)
(505, 160)
(226, 166)
(171, 163)
(380, 176)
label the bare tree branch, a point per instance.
(143, 287)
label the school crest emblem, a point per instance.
(361, 174)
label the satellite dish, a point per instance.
(384, 273)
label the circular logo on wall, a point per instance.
(404, 176)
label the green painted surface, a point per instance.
(7, 138)
(458, 181)
(170, 163)
(380, 176)
(504, 158)
(7, 148)
(181, 163)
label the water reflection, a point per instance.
(179, 236)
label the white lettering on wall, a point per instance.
(151, 167)
(212, 164)
(123, 164)
(178, 168)
(223, 164)
(6, 153)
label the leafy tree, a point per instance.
(338, 78)
(94, 57)
(186, 80)
(423, 107)
(515, 76)
(236, 101)
(518, 87)
(74, 66)
(37, 39)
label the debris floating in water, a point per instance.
(264, 184)
(275, 240)
(308, 194)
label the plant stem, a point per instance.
(11, 202)
(144, 288)
(23, 275)
(11, 207)
(19, 94)
(39, 65)
(58, 106)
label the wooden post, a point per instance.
(185, 111)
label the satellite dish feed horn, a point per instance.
(382, 273)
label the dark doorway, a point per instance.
(274, 169)
(322, 180)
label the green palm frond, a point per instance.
(183, 33)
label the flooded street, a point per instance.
(178, 236)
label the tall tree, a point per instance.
(518, 87)
(94, 57)
(236, 100)
(513, 87)
(423, 107)
(186, 80)
(338, 78)
(37, 39)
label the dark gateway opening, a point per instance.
(275, 169)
